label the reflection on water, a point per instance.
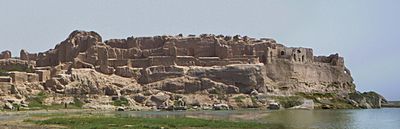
(342, 119)
(298, 119)
(237, 115)
(291, 119)
(312, 119)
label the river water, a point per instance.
(338, 119)
(386, 118)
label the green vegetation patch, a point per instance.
(289, 101)
(37, 102)
(4, 72)
(328, 98)
(341, 104)
(239, 99)
(316, 95)
(254, 101)
(122, 101)
(106, 122)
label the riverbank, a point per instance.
(239, 102)
(391, 104)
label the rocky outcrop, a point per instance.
(89, 81)
(244, 76)
(367, 99)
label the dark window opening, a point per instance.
(263, 59)
(298, 51)
(282, 53)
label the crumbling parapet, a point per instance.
(5, 55)
(333, 59)
(117, 43)
(23, 77)
(25, 55)
(86, 50)
(16, 65)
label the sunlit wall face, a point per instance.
(365, 32)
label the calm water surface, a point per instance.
(387, 118)
(338, 119)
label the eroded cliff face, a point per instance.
(194, 65)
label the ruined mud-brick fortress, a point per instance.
(142, 58)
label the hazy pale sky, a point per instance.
(365, 32)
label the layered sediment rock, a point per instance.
(209, 65)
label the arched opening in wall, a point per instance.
(302, 58)
(298, 51)
(294, 57)
(263, 59)
(282, 53)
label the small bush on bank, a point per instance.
(289, 101)
(122, 101)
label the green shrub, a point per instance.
(37, 101)
(239, 99)
(77, 103)
(3, 72)
(254, 101)
(315, 96)
(122, 101)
